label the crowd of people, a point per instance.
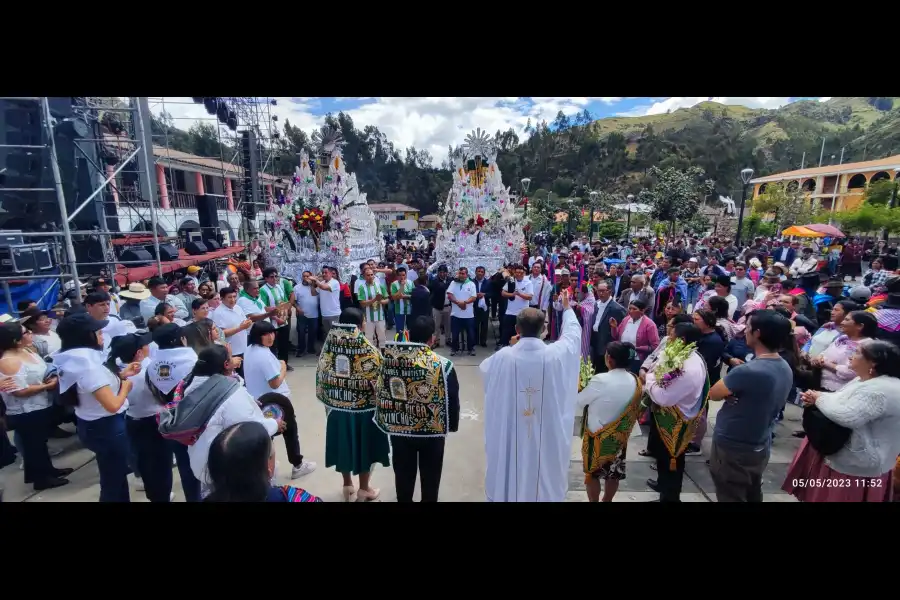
(192, 372)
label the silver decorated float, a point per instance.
(482, 227)
(325, 220)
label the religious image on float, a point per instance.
(324, 220)
(480, 224)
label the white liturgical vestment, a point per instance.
(529, 412)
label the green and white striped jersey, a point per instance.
(402, 306)
(375, 312)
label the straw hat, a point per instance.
(135, 291)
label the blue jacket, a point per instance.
(680, 286)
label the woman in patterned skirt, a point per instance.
(241, 467)
(870, 407)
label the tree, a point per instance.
(879, 193)
(787, 205)
(613, 230)
(676, 194)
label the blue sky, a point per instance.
(433, 123)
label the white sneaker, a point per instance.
(304, 469)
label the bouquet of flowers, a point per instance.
(670, 364)
(585, 372)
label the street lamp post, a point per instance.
(746, 174)
(593, 200)
(571, 203)
(629, 199)
(526, 182)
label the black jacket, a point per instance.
(439, 292)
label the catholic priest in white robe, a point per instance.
(529, 398)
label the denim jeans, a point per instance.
(154, 458)
(400, 322)
(31, 432)
(307, 330)
(459, 324)
(107, 439)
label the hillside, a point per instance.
(613, 154)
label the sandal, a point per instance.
(368, 495)
(349, 493)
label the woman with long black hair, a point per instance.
(267, 376)
(100, 398)
(29, 408)
(213, 400)
(241, 467)
(154, 453)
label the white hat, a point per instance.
(693, 260)
(135, 291)
(71, 286)
(563, 272)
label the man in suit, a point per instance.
(602, 334)
(786, 254)
(638, 291)
(619, 279)
(483, 292)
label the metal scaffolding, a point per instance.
(111, 138)
(174, 115)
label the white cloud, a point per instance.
(434, 123)
(430, 123)
(824, 98)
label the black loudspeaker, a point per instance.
(208, 215)
(167, 252)
(212, 244)
(137, 255)
(195, 248)
(250, 184)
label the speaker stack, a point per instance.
(208, 215)
(250, 185)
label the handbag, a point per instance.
(824, 435)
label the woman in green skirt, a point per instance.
(345, 383)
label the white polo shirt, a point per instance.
(229, 318)
(515, 305)
(462, 292)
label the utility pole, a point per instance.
(822, 152)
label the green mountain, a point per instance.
(574, 154)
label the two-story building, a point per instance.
(835, 187)
(395, 215)
(180, 178)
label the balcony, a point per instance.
(179, 200)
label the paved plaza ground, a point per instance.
(463, 478)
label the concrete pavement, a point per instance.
(464, 463)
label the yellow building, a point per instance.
(393, 214)
(835, 187)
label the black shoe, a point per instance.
(63, 472)
(692, 449)
(52, 482)
(483, 345)
(453, 353)
(299, 355)
(653, 485)
(60, 434)
(289, 368)
(471, 353)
